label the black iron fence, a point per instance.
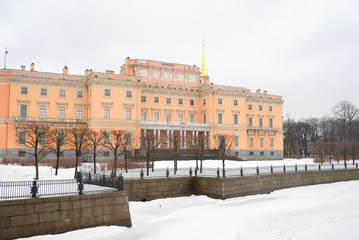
(134, 174)
(44, 188)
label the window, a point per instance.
(271, 123)
(272, 153)
(236, 154)
(180, 117)
(251, 142)
(24, 90)
(43, 92)
(191, 102)
(261, 142)
(22, 153)
(106, 112)
(168, 117)
(219, 118)
(204, 102)
(106, 137)
(250, 122)
(128, 94)
(260, 122)
(262, 153)
(62, 93)
(191, 118)
(235, 119)
(270, 108)
(143, 115)
(180, 101)
(251, 154)
(23, 110)
(61, 112)
(128, 112)
(22, 138)
(249, 106)
(204, 118)
(128, 138)
(156, 100)
(106, 153)
(42, 140)
(235, 102)
(271, 142)
(107, 92)
(219, 101)
(260, 107)
(43, 111)
(143, 99)
(80, 94)
(79, 113)
(156, 116)
(168, 100)
(61, 153)
(236, 141)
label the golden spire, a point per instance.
(204, 73)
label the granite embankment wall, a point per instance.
(223, 188)
(28, 217)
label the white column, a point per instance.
(171, 137)
(181, 139)
(193, 137)
(168, 139)
(144, 132)
(159, 138)
(184, 138)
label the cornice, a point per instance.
(170, 92)
(34, 81)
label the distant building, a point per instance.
(146, 97)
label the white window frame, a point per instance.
(107, 90)
(271, 142)
(156, 116)
(154, 99)
(219, 101)
(270, 122)
(250, 122)
(251, 142)
(43, 111)
(192, 117)
(128, 94)
(261, 142)
(22, 141)
(170, 100)
(79, 113)
(235, 102)
(27, 90)
(106, 112)
(58, 112)
(220, 120)
(191, 102)
(128, 113)
(143, 115)
(260, 122)
(143, 98)
(235, 119)
(47, 92)
(180, 101)
(27, 110)
(180, 117)
(77, 94)
(236, 141)
(250, 107)
(168, 117)
(62, 90)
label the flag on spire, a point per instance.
(6, 52)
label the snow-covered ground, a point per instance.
(328, 211)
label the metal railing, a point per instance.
(135, 174)
(45, 188)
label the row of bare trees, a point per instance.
(42, 141)
(335, 136)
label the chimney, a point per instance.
(88, 72)
(65, 70)
(265, 92)
(110, 71)
(22, 68)
(32, 67)
(258, 91)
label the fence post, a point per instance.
(271, 169)
(332, 166)
(120, 183)
(80, 184)
(195, 172)
(257, 170)
(241, 171)
(319, 166)
(34, 189)
(224, 173)
(167, 172)
(103, 179)
(190, 171)
(296, 168)
(345, 164)
(306, 167)
(89, 177)
(141, 174)
(217, 172)
(284, 168)
(356, 165)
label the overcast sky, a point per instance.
(306, 51)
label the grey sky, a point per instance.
(306, 51)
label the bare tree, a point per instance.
(126, 146)
(34, 137)
(95, 139)
(346, 112)
(199, 147)
(176, 142)
(319, 149)
(114, 142)
(77, 138)
(224, 147)
(149, 144)
(56, 141)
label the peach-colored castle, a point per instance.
(147, 96)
